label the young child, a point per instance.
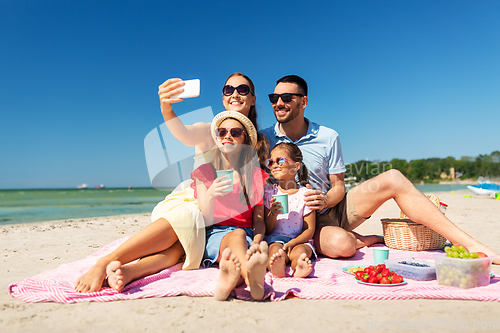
(233, 211)
(289, 233)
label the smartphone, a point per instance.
(191, 89)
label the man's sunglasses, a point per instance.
(279, 161)
(235, 132)
(242, 89)
(286, 97)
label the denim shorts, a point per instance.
(214, 237)
(285, 239)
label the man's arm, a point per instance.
(317, 201)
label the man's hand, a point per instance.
(314, 199)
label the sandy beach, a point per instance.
(29, 249)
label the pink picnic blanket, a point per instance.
(326, 281)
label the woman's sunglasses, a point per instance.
(242, 89)
(286, 97)
(279, 161)
(235, 132)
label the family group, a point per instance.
(233, 220)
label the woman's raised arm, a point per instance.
(197, 134)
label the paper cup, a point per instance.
(380, 255)
(283, 200)
(229, 174)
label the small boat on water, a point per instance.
(82, 187)
(484, 188)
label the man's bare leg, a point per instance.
(334, 242)
(154, 238)
(371, 194)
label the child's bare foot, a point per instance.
(277, 264)
(230, 273)
(257, 257)
(92, 280)
(117, 275)
(304, 266)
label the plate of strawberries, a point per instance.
(379, 276)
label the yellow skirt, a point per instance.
(180, 208)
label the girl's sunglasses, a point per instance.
(279, 161)
(242, 89)
(286, 97)
(235, 132)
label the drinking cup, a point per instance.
(380, 254)
(283, 200)
(229, 174)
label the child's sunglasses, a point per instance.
(235, 132)
(242, 89)
(286, 97)
(279, 161)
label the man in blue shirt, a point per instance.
(338, 213)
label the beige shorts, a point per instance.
(343, 215)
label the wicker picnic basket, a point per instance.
(405, 234)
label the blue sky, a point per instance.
(396, 79)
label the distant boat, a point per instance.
(484, 188)
(82, 187)
(98, 187)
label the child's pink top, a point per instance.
(290, 224)
(229, 208)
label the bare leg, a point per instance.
(120, 275)
(301, 262)
(370, 195)
(232, 263)
(277, 260)
(256, 261)
(230, 275)
(154, 238)
(335, 242)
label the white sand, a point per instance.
(28, 249)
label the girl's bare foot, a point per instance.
(257, 257)
(277, 264)
(92, 280)
(304, 266)
(117, 275)
(230, 273)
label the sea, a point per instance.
(25, 206)
(37, 205)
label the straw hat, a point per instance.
(249, 127)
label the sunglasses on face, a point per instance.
(286, 97)
(235, 132)
(279, 161)
(242, 89)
